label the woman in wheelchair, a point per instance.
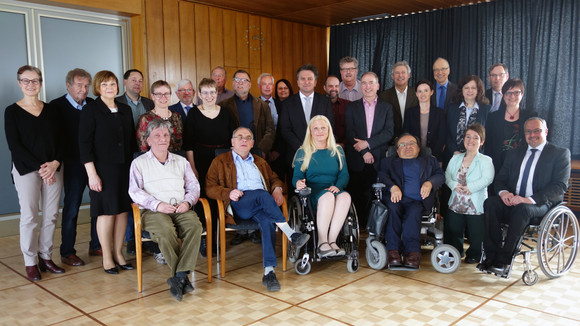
(320, 164)
(468, 175)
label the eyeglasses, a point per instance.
(241, 80)
(160, 95)
(513, 93)
(240, 138)
(185, 90)
(25, 81)
(436, 70)
(409, 144)
(205, 93)
(497, 75)
(533, 131)
(348, 69)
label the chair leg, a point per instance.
(223, 250)
(139, 254)
(208, 236)
(284, 251)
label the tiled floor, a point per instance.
(329, 295)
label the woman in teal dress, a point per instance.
(320, 164)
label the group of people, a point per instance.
(280, 141)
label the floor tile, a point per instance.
(78, 321)
(11, 278)
(297, 316)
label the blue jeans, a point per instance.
(260, 206)
(75, 182)
(404, 225)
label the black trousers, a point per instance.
(361, 192)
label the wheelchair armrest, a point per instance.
(304, 192)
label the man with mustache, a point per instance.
(331, 87)
(350, 86)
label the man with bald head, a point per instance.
(444, 89)
(331, 87)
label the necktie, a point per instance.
(307, 109)
(187, 108)
(526, 174)
(441, 97)
(496, 100)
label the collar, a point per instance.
(129, 100)
(302, 96)
(248, 99)
(444, 85)
(374, 102)
(403, 92)
(266, 99)
(184, 105)
(540, 147)
(149, 155)
(73, 102)
(462, 105)
(238, 158)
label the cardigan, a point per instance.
(479, 175)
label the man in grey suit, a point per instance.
(531, 180)
(369, 129)
(444, 89)
(133, 83)
(400, 96)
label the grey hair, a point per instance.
(542, 121)
(348, 59)
(266, 75)
(156, 124)
(403, 63)
(240, 128)
(183, 82)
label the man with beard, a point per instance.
(331, 87)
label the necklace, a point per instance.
(162, 117)
(512, 115)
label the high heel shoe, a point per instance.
(126, 267)
(113, 270)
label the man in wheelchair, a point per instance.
(531, 180)
(254, 191)
(412, 181)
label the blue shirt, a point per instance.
(137, 108)
(74, 103)
(438, 91)
(412, 174)
(246, 112)
(248, 175)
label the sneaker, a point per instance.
(299, 239)
(159, 258)
(187, 286)
(271, 282)
(176, 285)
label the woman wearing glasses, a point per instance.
(161, 95)
(506, 125)
(33, 135)
(106, 144)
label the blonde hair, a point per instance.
(309, 147)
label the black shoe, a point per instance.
(187, 286)
(126, 267)
(131, 247)
(299, 239)
(255, 237)
(203, 247)
(499, 269)
(239, 238)
(176, 285)
(471, 260)
(113, 270)
(485, 265)
(271, 282)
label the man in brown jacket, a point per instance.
(248, 184)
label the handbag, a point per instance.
(377, 219)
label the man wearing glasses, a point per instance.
(531, 180)
(185, 93)
(251, 112)
(498, 75)
(444, 89)
(411, 183)
(349, 88)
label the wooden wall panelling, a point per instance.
(216, 32)
(187, 39)
(266, 48)
(138, 44)
(297, 47)
(230, 45)
(287, 62)
(202, 41)
(171, 42)
(277, 49)
(155, 50)
(255, 51)
(242, 39)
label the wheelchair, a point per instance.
(444, 258)
(555, 236)
(302, 218)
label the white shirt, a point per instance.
(529, 190)
(402, 101)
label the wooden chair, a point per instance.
(139, 247)
(243, 225)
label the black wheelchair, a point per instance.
(554, 240)
(444, 258)
(302, 218)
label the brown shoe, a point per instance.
(95, 252)
(412, 260)
(32, 273)
(72, 260)
(48, 265)
(393, 258)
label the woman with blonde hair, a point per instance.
(320, 164)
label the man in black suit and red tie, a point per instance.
(531, 180)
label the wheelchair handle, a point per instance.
(378, 186)
(304, 192)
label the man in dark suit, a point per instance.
(298, 109)
(498, 75)
(75, 180)
(133, 83)
(276, 156)
(531, 180)
(369, 129)
(444, 89)
(400, 96)
(185, 93)
(412, 182)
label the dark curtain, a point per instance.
(539, 40)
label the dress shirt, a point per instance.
(273, 110)
(74, 103)
(402, 96)
(248, 175)
(370, 114)
(496, 97)
(307, 107)
(351, 95)
(183, 106)
(441, 101)
(137, 108)
(246, 112)
(529, 189)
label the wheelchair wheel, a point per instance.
(350, 229)
(302, 269)
(376, 254)
(557, 241)
(530, 277)
(352, 265)
(445, 259)
(295, 222)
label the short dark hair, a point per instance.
(128, 73)
(348, 59)
(77, 72)
(206, 82)
(24, 68)
(407, 134)
(426, 82)
(478, 128)
(308, 67)
(480, 97)
(287, 83)
(511, 83)
(103, 76)
(242, 71)
(499, 64)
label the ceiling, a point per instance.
(332, 12)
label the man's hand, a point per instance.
(396, 194)
(236, 194)
(165, 208)
(182, 207)
(368, 158)
(278, 196)
(359, 144)
(516, 200)
(426, 189)
(506, 197)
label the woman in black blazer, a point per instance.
(107, 142)
(426, 122)
(469, 106)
